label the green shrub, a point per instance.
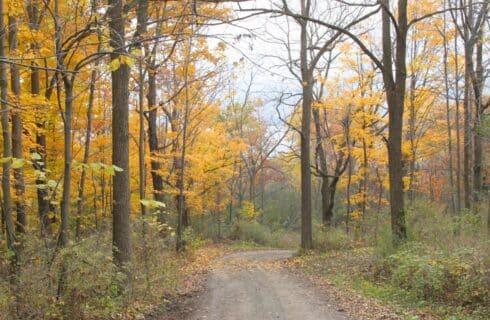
(193, 240)
(251, 231)
(436, 276)
(325, 238)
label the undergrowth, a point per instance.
(91, 283)
(443, 270)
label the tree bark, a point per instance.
(182, 218)
(477, 136)
(67, 154)
(395, 94)
(448, 123)
(467, 141)
(328, 188)
(156, 178)
(142, 21)
(307, 94)
(458, 130)
(17, 146)
(412, 130)
(40, 164)
(86, 153)
(121, 233)
(7, 143)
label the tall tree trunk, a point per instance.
(6, 204)
(141, 138)
(156, 178)
(412, 131)
(142, 21)
(7, 142)
(448, 122)
(349, 170)
(66, 195)
(347, 195)
(477, 136)
(395, 94)
(458, 130)
(17, 146)
(39, 164)
(86, 152)
(121, 233)
(307, 95)
(182, 220)
(365, 174)
(467, 141)
(327, 201)
(66, 115)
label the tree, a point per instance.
(121, 236)
(36, 16)
(7, 159)
(17, 128)
(469, 19)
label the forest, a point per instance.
(245, 159)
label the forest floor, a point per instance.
(268, 284)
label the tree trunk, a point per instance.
(155, 165)
(7, 143)
(448, 123)
(395, 94)
(66, 195)
(467, 141)
(327, 200)
(182, 220)
(142, 21)
(365, 174)
(412, 128)
(458, 130)
(477, 136)
(251, 187)
(121, 233)
(307, 84)
(86, 152)
(6, 204)
(349, 172)
(17, 146)
(40, 164)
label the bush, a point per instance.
(445, 262)
(458, 278)
(253, 231)
(326, 238)
(91, 277)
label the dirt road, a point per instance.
(249, 286)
